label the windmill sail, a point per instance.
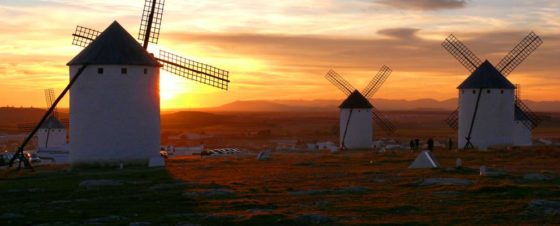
(339, 82)
(193, 70)
(175, 64)
(518, 54)
(150, 24)
(380, 119)
(463, 54)
(376, 82)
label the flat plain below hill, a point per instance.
(294, 188)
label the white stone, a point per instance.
(482, 170)
(424, 160)
(263, 155)
(458, 163)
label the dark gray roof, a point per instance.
(356, 100)
(52, 123)
(520, 114)
(488, 77)
(114, 46)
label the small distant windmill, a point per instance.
(357, 113)
(115, 38)
(488, 122)
(52, 132)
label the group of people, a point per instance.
(415, 144)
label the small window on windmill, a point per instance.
(123, 71)
(145, 70)
(100, 70)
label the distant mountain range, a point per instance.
(383, 104)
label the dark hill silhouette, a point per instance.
(192, 119)
(384, 104)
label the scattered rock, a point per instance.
(546, 206)
(348, 190)
(314, 219)
(263, 155)
(445, 181)
(447, 193)
(187, 224)
(106, 219)
(10, 216)
(537, 177)
(458, 163)
(484, 171)
(210, 193)
(139, 224)
(158, 187)
(259, 211)
(100, 183)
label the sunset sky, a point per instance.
(282, 49)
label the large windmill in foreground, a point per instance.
(114, 100)
(490, 112)
(357, 113)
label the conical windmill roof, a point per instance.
(356, 100)
(114, 46)
(52, 123)
(486, 76)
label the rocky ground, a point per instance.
(522, 186)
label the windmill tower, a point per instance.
(52, 132)
(357, 113)
(487, 102)
(115, 107)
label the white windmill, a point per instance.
(52, 132)
(114, 106)
(357, 113)
(489, 111)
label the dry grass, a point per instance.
(350, 189)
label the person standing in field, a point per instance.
(417, 144)
(450, 144)
(411, 145)
(431, 144)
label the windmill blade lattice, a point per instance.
(518, 54)
(151, 21)
(49, 97)
(339, 82)
(172, 63)
(453, 119)
(376, 82)
(83, 36)
(532, 120)
(463, 54)
(193, 70)
(380, 119)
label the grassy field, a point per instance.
(305, 188)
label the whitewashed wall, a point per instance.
(521, 134)
(114, 117)
(360, 128)
(54, 137)
(494, 120)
